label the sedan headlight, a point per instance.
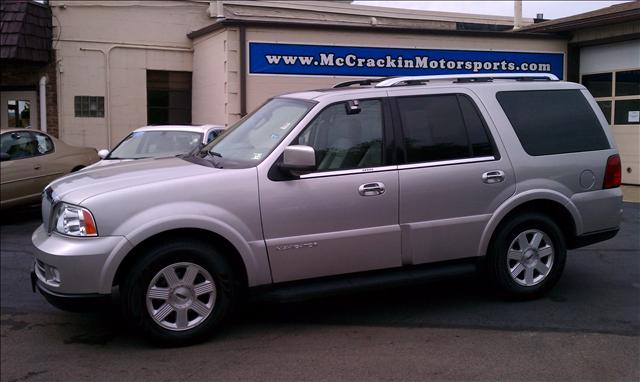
(74, 221)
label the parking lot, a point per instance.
(587, 328)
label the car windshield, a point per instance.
(155, 144)
(252, 138)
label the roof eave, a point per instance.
(553, 26)
(223, 23)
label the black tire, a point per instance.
(498, 266)
(155, 259)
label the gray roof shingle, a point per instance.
(25, 27)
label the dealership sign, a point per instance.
(330, 60)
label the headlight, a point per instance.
(75, 221)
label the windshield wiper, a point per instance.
(215, 154)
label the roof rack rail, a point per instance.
(417, 80)
(368, 81)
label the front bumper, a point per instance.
(71, 302)
(84, 265)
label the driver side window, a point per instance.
(346, 141)
(19, 145)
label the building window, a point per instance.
(618, 95)
(599, 85)
(168, 98)
(89, 106)
(19, 113)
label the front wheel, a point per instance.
(527, 256)
(179, 293)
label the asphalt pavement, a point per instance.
(586, 329)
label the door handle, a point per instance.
(36, 166)
(491, 177)
(371, 189)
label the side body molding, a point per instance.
(519, 199)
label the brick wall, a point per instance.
(52, 97)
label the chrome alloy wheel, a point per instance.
(181, 296)
(530, 257)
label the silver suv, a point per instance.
(367, 184)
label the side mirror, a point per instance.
(103, 153)
(4, 157)
(299, 160)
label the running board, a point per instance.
(358, 282)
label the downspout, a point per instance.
(107, 76)
(43, 103)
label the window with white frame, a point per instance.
(617, 94)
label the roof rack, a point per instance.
(368, 81)
(459, 78)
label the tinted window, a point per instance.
(598, 84)
(478, 136)
(627, 112)
(19, 145)
(553, 121)
(346, 141)
(433, 128)
(628, 83)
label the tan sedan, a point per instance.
(30, 159)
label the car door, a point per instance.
(342, 218)
(454, 176)
(21, 168)
(51, 162)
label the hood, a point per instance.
(107, 162)
(77, 187)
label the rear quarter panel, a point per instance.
(557, 177)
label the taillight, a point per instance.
(613, 172)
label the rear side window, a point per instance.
(45, 144)
(551, 122)
(478, 137)
(442, 127)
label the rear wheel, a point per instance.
(527, 256)
(179, 293)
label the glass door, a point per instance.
(19, 109)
